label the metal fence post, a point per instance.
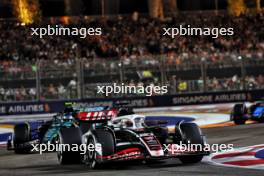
(80, 79)
(38, 80)
(121, 71)
(79, 71)
(162, 71)
(243, 72)
(204, 73)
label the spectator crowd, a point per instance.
(131, 42)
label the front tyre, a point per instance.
(238, 113)
(106, 139)
(69, 137)
(91, 155)
(21, 136)
(191, 159)
(192, 134)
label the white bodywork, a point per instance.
(136, 122)
(133, 121)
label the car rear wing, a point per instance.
(96, 116)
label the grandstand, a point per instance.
(66, 67)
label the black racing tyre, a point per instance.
(21, 136)
(253, 108)
(71, 137)
(238, 112)
(239, 121)
(261, 120)
(192, 133)
(106, 139)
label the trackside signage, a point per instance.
(20, 108)
(214, 98)
(29, 107)
(136, 102)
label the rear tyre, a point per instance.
(239, 121)
(21, 136)
(261, 120)
(238, 113)
(70, 137)
(106, 139)
(192, 133)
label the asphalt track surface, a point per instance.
(46, 164)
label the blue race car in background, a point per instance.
(241, 113)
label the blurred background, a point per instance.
(115, 7)
(131, 50)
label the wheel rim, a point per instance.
(59, 152)
(59, 156)
(91, 154)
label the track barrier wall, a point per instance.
(135, 102)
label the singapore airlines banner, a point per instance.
(135, 102)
